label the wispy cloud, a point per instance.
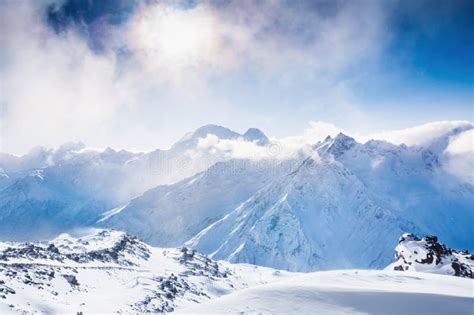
(54, 88)
(55, 84)
(138, 74)
(419, 135)
(460, 153)
(267, 35)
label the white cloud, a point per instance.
(267, 36)
(462, 143)
(317, 131)
(54, 89)
(169, 41)
(418, 135)
(279, 148)
(240, 149)
(237, 148)
(460, 156)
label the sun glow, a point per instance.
(168, 35)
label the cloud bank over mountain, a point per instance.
(122, 73)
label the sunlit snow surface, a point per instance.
(110, 271)
(114, 272)
(350, 292)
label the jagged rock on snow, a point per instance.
(428, 255)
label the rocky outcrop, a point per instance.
(428, 255)
(69, 274)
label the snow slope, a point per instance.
(78, 184)
(170, 215)
(110, 272)
(344, 207)
(349, 292)
(113, 272)
(46, 202)
(318, 217)
(412, 182)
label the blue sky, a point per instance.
(138, 74)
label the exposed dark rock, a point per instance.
(412, 252)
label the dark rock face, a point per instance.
(199, 264)
(5, 290)
(428, 255)
(341, 144)
(431, 160)
(126, 244)
(71, 279)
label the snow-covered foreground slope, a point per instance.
(110, 271)
(349, 292)
(114, 272)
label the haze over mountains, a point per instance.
(337, 203)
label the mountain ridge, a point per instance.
(405, 187)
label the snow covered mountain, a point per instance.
(114, 272)
(412, 182)
(172, 214)
(62, 189)
(341, 204)
(254, 134)
(49, 191)
(342, 207)
(428, 255)
(44, 203)
(190, 140)
(318, 217)
(110, 272)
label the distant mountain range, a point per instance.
(48, 191)
(337, 204)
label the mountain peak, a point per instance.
(343, 137)
(255, 134)
(191, 138)
(214, 129)
(341, 144)
(209, 129)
